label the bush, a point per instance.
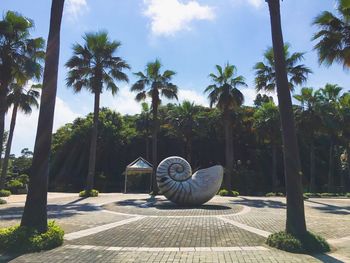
(24, 178)
(310, 244)
(2, 201)
(20, 239)
(4, 193)
(15, 185)
(272, 194)
(92, 193)
(348, 195)
(234, 193)
(223, 192)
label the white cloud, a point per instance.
(26, 125)
(193, 96)
(250, 95)
(75, 8)
(254, 3)
(171, 16)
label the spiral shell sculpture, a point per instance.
(176, 181)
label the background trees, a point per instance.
(224, 93)
(154, 84)
(94, 66)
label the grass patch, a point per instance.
(2, 201)
(20, 239)
(4, 193)
(92, 193)
(224, 192)
(310, 244)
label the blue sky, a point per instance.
(189, 37)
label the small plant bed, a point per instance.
(4, 193)
(92, 193)
(327, 195)
(310, 244)
(272, 194)
(224, 192)
(19, 240)
(2, 202)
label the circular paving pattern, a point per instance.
(167, 208)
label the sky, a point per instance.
(188, 36)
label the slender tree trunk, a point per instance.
(9, 143)
(3, 105)
(331, 168)
(93, 145)
(295, 224)
(228, 152)
(154, 186)
(189, 149)
(312, 168)
(35, 210)
(274, 166)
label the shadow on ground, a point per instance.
(332, 209)
(258, 203)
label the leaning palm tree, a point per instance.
(35, 209)
(225, 94)
(19, 54)
(295, 223)
(24, 100)
(265, 72)
(94, 67)
(152, 83)
(333, 36)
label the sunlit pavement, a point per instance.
(136, 228)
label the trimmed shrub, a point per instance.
(310, 244)
(223, 192)
(2, 201)
(348, 195)
(5, 193)
(20, 239)
(92, 193)
(272, 194)
(234, 193)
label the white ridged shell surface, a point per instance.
(176, 181)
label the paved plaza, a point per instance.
(137, 228)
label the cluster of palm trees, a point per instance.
(95, 67)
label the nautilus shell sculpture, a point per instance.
(176, 181)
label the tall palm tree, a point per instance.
(310, 124)
(144, 125)
(18, 58)
(35, 209)
(153, 83)
(333, 36)
(267, 122)
(295, 223)
(21, 99)
(225, 94)
(265, 72)
(329, 97)
(183, 119)
(94, 67)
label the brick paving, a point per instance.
(135, 228)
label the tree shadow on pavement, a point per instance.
(258, 203)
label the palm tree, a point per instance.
(224, 93)
(94, 67)
(295, 223)
(310, 122)
(265, 72)
(183, 119)
(267, 122)
(153, 83)
(18, 59)
(144, 124)
(333, 36)
(23, 100)
(35, 209)
(329, 97)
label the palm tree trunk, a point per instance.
(274, 166)
(35, 210)
(228, 152)
(189, 149)
(147, 148)
(154, 186)
(9, 143)
(295, 224)
(93, 145)
(312, 168)
(2, 128)
(331, 167)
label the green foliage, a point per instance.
(272, 194)
(92, 193)
(310, 244)
(234, 193)
(4, 193)
(14, 185)
(224, 192)
(20, 239)
(348, 195)
(2, 201)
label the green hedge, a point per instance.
(310, 244)
(2, 201)
(92, 193)
(20, 239)
(4, 193)
(224, 192)
(273, 194)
